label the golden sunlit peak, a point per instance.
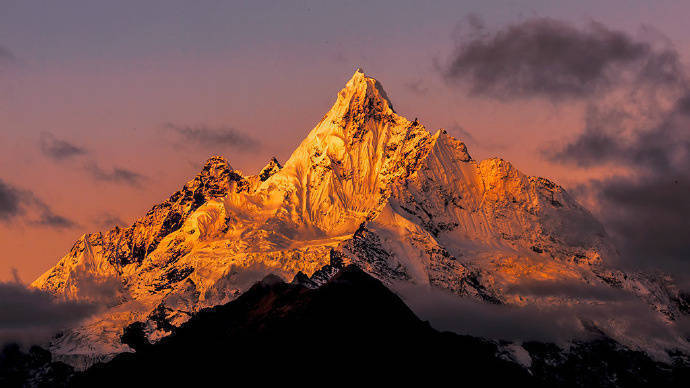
(217, 160)
(358, 76)
(368, 88)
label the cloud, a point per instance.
(104, 290)
(417, 87)
(238, 279)
(58, 149)
(45, 216)
(636, 98)
(660, 142)
(204, 136)
(649, 218)
(116, 175)
(108, 221)
(31, 316)
(48, 218)
(16, 202)
(624, 318)
(10, 201)
(462, 133)
(645, 207)
(569, 289)
(552, 59)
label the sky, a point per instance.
(107, 108)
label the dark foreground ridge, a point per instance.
(351, 330)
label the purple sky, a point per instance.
(119, 82)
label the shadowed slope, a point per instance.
(352, 327)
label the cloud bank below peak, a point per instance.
(32, 317)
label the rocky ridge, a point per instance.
(365, 187)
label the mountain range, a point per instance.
(370, 188)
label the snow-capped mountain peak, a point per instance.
(366, 186)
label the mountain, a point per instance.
(366, 187)
(352, 329)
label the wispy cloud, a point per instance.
(462, 133)
(206, 136)
(59, 149)
(417, 87)
(114, 175)
(10, 201)
(50, 219)
(62, 150)
(615, 312)
(17, 203)
(108, 220)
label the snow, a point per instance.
(366, 184)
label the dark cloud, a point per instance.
(116, 175)
(663, 146)
(569, 289)
(45, 216)
(58, 149)
(10, 201)
(31, 316)
(646, 210)
(19, 203)
(50, 219)
(649, 218)
(204, 136)
(637, 121)
(624, 318)
(553, 59)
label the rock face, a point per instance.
(367, 187)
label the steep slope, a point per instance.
(102, 257)
(366, 186)
(351, 329)
(454, 213)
